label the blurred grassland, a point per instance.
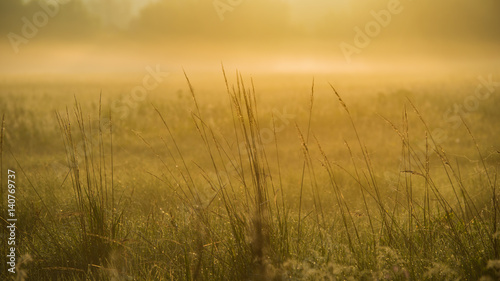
(159, 230)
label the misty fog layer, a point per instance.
(90, 36)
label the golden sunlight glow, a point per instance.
(317, 36)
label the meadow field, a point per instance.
(234, 177)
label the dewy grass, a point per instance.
(227, 205)
(98, 221)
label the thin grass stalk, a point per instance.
(379, 200)
(363, 190)
(114, 229)
(311, 103)
(457, 238)
(314, 186)
(416, 159)
(102, 160)
(282, 215)
(341, 202)
(427, 206)
(72, 159)
(409, 186)
(237, 114)
(239, 120)
(283, 206)
(259, 182)
(494, 222)
(189, 184)
(233, 117)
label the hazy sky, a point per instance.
(89, 36)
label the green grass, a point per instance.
(316, 184)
